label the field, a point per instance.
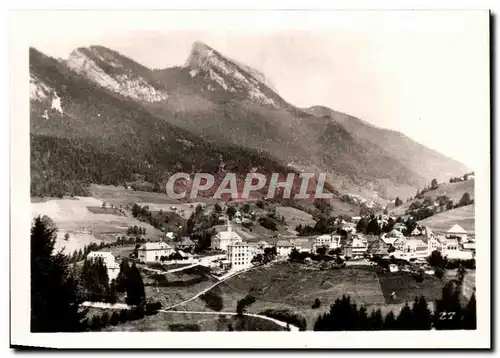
(452, 190)
(294, 217)
(173, 321)
(463, 216)
(407, 288)
(287, 286)
(72, 216)
(181, 285)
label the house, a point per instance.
(357, 247)
(469, 246)
(108, 259)
(414, 248)
(284, 248)
(169, 235)
(331, 242)
(393, 268)
(153, 251)
(391, 237)
(434, 243)
(416, 232)
(185, 243)
(225, 238)
(458, 231)
(240, 255)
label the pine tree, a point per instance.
(422, 316)
(54, 301)
(121, 279)
(376, 321)
(470, 314)
(405, 317)
(136, 295)
(448, 310)
(390, 322)
(362, 322)
(112, 294)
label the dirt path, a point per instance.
(280, 323)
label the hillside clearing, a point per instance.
(452, 190)
(463, 216)
(73, 216)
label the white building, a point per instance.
(331, 242)
(359, 247)
(240, 255)
(153, 251)
(284, 248)
(225, 238)
(413, 249)
(457, 230)
(108, 259)
(391, 237)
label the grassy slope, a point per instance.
(463, 216)
(453, 190)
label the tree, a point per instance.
(470, 315)
(405, 318)
(437, 260)
(136, 295)
(316, 304)
(362, 320)
(245, 208)
(114, 319)
(230, 211)
(121, 279)
(448, 310)
(434, 184)
(362, 225)
(242, 304)
(449, 205)
(54, 300)
(422, 316)
(390, 321)
(112, 293)
(373, 227)
(398, 202)
(104, 319)
(465, 200)
(321, 250)
(66, 236)
(376, 322)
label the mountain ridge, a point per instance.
(230, 113)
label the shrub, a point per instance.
(114, 319)
(104, 319)
(316, 304)
(123, 316)
(213, 301)
(152, 308)
(439, 273)
(244, 303)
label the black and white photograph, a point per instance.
(319, 177)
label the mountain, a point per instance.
(83, 131)
(418, 158)
(213, 106)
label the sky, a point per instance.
(424, 73)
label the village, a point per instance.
(233, 253)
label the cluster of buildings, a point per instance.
(454, 244)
